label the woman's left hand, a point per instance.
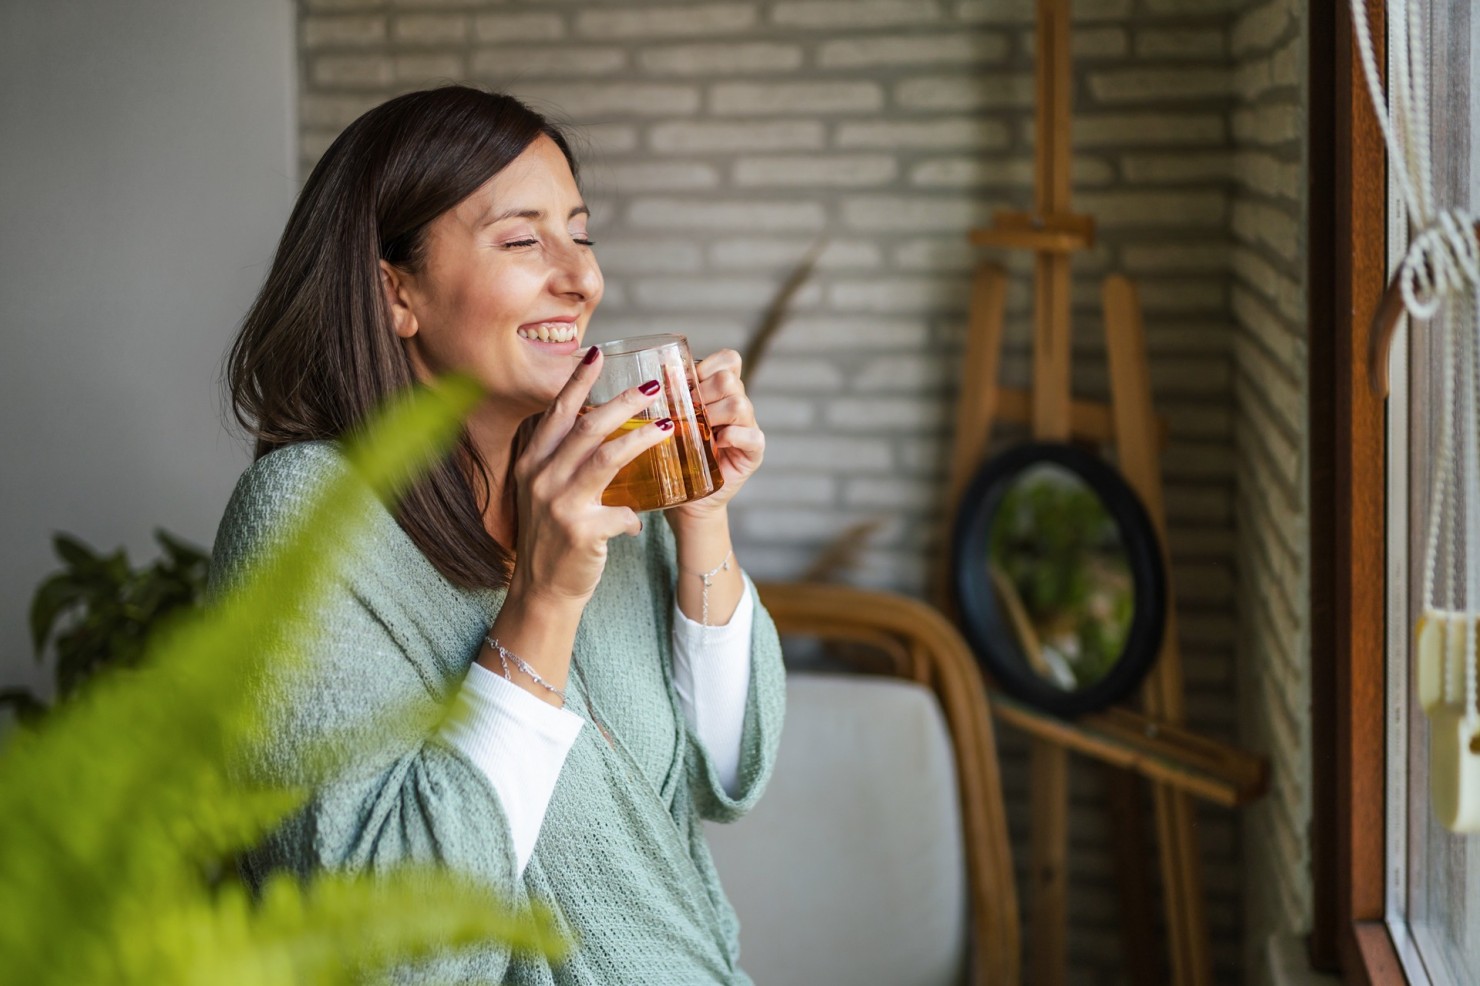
(739, 443)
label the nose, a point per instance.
(576, 274)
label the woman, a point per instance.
(444, 230)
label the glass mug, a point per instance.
(682, 468)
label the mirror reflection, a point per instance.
(1061, 576)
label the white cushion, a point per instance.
(850, 870)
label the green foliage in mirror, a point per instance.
(1059, 560)
(121, 814)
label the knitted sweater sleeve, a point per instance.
(368, 684)
(765, 707)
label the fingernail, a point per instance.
(665, 423)
(590, 356)
(650, 388)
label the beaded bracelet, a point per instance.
(708, 579)
(505, 656)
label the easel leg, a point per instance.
(1138, 944)
(1049, 879)
(1051, 762)
(976, 406)
(1135, 441)
(1182, 878)
(1051, 338)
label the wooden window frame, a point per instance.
(1347, 273)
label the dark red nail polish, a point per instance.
(590, 356)
(650, 388)
(665, 423)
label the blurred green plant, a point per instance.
(98, 610)
(122, 810)
(1062, 551)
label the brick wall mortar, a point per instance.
(720, 139)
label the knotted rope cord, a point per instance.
(1443, 260)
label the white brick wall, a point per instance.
(794, 98)
(851, 15)
(717, 137)
(508, 26)
(721, 140)
(544, 61)
(647, 23)
(932, 49)
(948, 132)
(1268, 302)
(721, 59)
(416, 30)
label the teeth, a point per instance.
(549, 332)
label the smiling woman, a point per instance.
(313, 357)
(505, 285)
(445, 232)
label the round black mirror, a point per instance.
(1059, 578)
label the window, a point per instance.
(1433, 876)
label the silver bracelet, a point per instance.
(505, 656)
(708, 579)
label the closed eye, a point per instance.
(528, 243)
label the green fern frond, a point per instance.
(120, 811)
(339, 930)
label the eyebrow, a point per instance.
(579, 210)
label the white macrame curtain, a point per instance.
(1439, 279)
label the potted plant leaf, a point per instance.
(98, 610)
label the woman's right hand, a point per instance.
(560, 549)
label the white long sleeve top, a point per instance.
(711, 674)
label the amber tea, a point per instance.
(672, 472)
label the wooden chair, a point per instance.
(900, 638)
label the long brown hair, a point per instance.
(317, 352)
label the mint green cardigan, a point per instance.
(621, 857)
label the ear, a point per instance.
(395, 284)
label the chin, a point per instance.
(538, 401)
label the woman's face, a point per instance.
(507, 285)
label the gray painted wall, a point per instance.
(145, 175)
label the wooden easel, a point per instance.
(1052, 233)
